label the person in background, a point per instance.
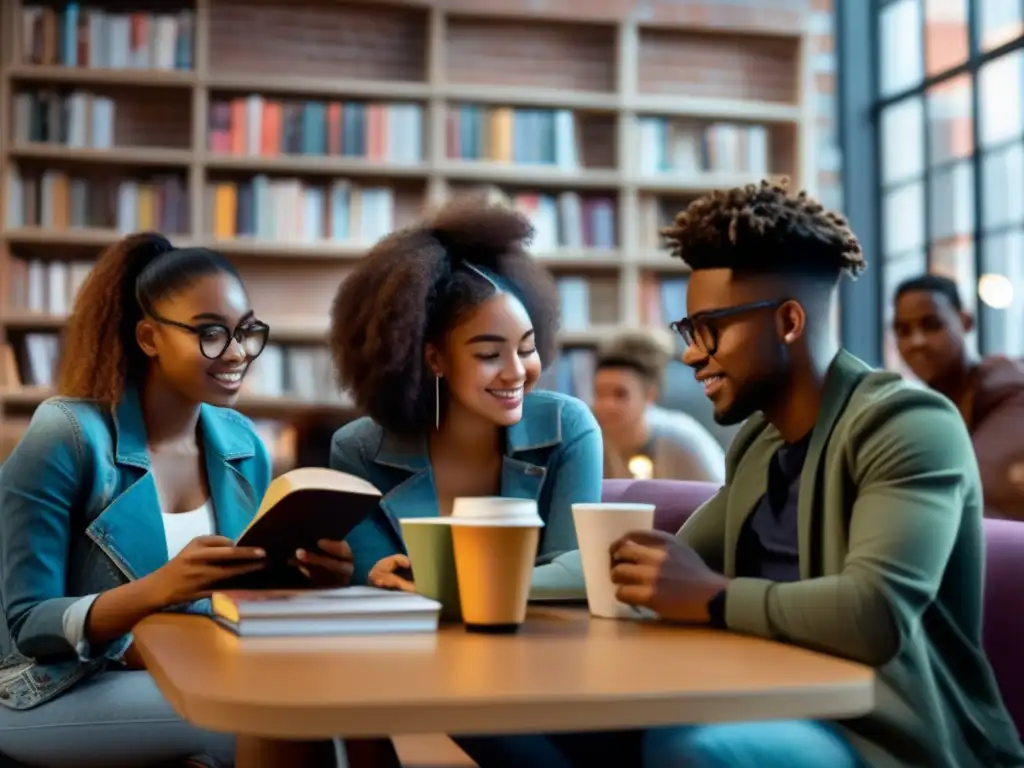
(440, 333)
(931, 328)
(641, 439)
(123, 499)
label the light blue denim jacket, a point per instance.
(79, 515)
(553, 455)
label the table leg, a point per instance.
(257, 752)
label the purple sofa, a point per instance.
(675, 501)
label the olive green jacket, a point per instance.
(891, 564)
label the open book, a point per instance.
(299, 508)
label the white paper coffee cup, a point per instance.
(598, 526)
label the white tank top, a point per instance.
(182, 527)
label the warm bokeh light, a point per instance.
(995, 290)
(641, 467)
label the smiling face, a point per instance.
(489, 360)
(749, 365)
(176, 352)
(930, 334)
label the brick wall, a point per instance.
(829, 157)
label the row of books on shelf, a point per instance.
(668, 145)
(58, 200)
(393, 133)
(255, 125)
(565, 220)
(513, 135)
(299, 373)
(79, 35)
(75, 119)
(662, 300)
(653, 215)
(287, 210)
(48, 288)
(303, 373)
(574, 298)
(572, 373)
(45, 287)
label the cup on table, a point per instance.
(598, 526)
(495, 543)
(428, 540)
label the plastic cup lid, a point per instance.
(496, 511)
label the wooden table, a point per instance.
(564, 671)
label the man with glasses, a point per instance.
(851, 517)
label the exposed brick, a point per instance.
(318, 38)
(530, 53)
(783, 16)
(579, 10)
(738, 67)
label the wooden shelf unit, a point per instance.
(610, 72)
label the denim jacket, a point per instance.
(79, 515)
(553, 454)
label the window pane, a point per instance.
(1002, 302)
(952, 200)
(945, 34)
(999, 95)
(999, 21)
(950, 132)
(1002, 175)
(954, 258)
(896, 269)
(902, 141)
(899, 33)
(903, 211)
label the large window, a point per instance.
(949, 127)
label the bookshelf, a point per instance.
(289, 135)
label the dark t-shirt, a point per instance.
(769, 543)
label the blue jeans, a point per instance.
(767, 744)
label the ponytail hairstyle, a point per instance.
(414, 286)
(101, 355)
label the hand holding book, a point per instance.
(393, 572)
(331, 567)
(205, 561)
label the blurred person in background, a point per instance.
(931, 327)
(641, 439)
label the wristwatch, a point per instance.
(716, 611)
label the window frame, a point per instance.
(861, 106)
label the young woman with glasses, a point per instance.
(123, 499)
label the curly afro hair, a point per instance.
(764, 228)
(412, 287)
(647, 351)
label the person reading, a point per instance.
(124, 498)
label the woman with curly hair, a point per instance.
(440, 334)
(642, 439)
(123, 499)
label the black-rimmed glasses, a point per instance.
(215, 338)
(701, 329)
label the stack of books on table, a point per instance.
(324, 612)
